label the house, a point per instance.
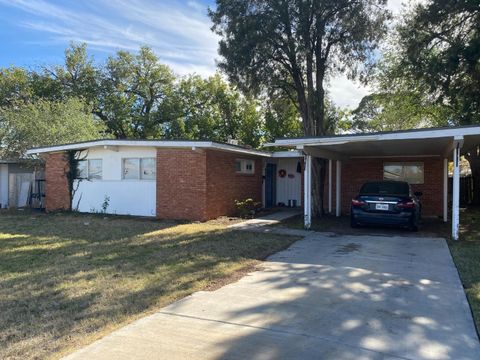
(19, 180)
(192, 180)
(200, 180)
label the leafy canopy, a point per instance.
(134, 95)
(293, 46)
(45, 122)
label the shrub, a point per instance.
(247, 208)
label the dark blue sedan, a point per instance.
(386, 203)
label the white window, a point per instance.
(244, 166)
(136, 168)
(412, 173)
(90, 169)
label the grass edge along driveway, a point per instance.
(466, 255)
(69, 279)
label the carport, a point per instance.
(420, 156)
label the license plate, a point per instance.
(381, 207)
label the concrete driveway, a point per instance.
(343, 297)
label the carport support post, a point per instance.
(445, 190)
(330, 186)
(338, 189)
(307, 195)
(456, 190)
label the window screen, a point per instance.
(82, 169)
(412, 173)
(95, 169)
(131, 169)
(147, 169)
(90, 169)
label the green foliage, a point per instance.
(247, 208)
(430, 76)
(212, 109)
(132, 95)
(105, 204)
(398, 110)
(45, 123)
(72, 173)
(78, 77)
(293, 46)
(14, 86)
(282, 118)
(439, 46)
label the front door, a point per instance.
(271, 185)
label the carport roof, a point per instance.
(415, 142)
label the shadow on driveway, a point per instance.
(343, 297)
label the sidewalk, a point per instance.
(264, 224)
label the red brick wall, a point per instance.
(181, 184)
(358, 171)
(202, 184)
(224, 185)
(56, 185)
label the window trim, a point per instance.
(405, 163)
(139, 171)
(243, 166)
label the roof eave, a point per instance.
(147, 143)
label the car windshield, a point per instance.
(385, 188)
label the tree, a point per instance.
(128, 93)
(439, 45)
(15, 86)
(78, 77)
(396, 110)
(45, 123)
(212, 109)
(281, 118)
(133, 93)
(431, 74)
(293, 46)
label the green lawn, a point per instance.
(466, 254)
(66, 280)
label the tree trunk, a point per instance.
(473, 158)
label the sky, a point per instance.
(35, 33)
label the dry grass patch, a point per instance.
(66, 280)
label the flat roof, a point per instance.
(405, 143)
(149, 143)
(426, 133)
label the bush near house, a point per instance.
(247, 208)
(68, 279)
